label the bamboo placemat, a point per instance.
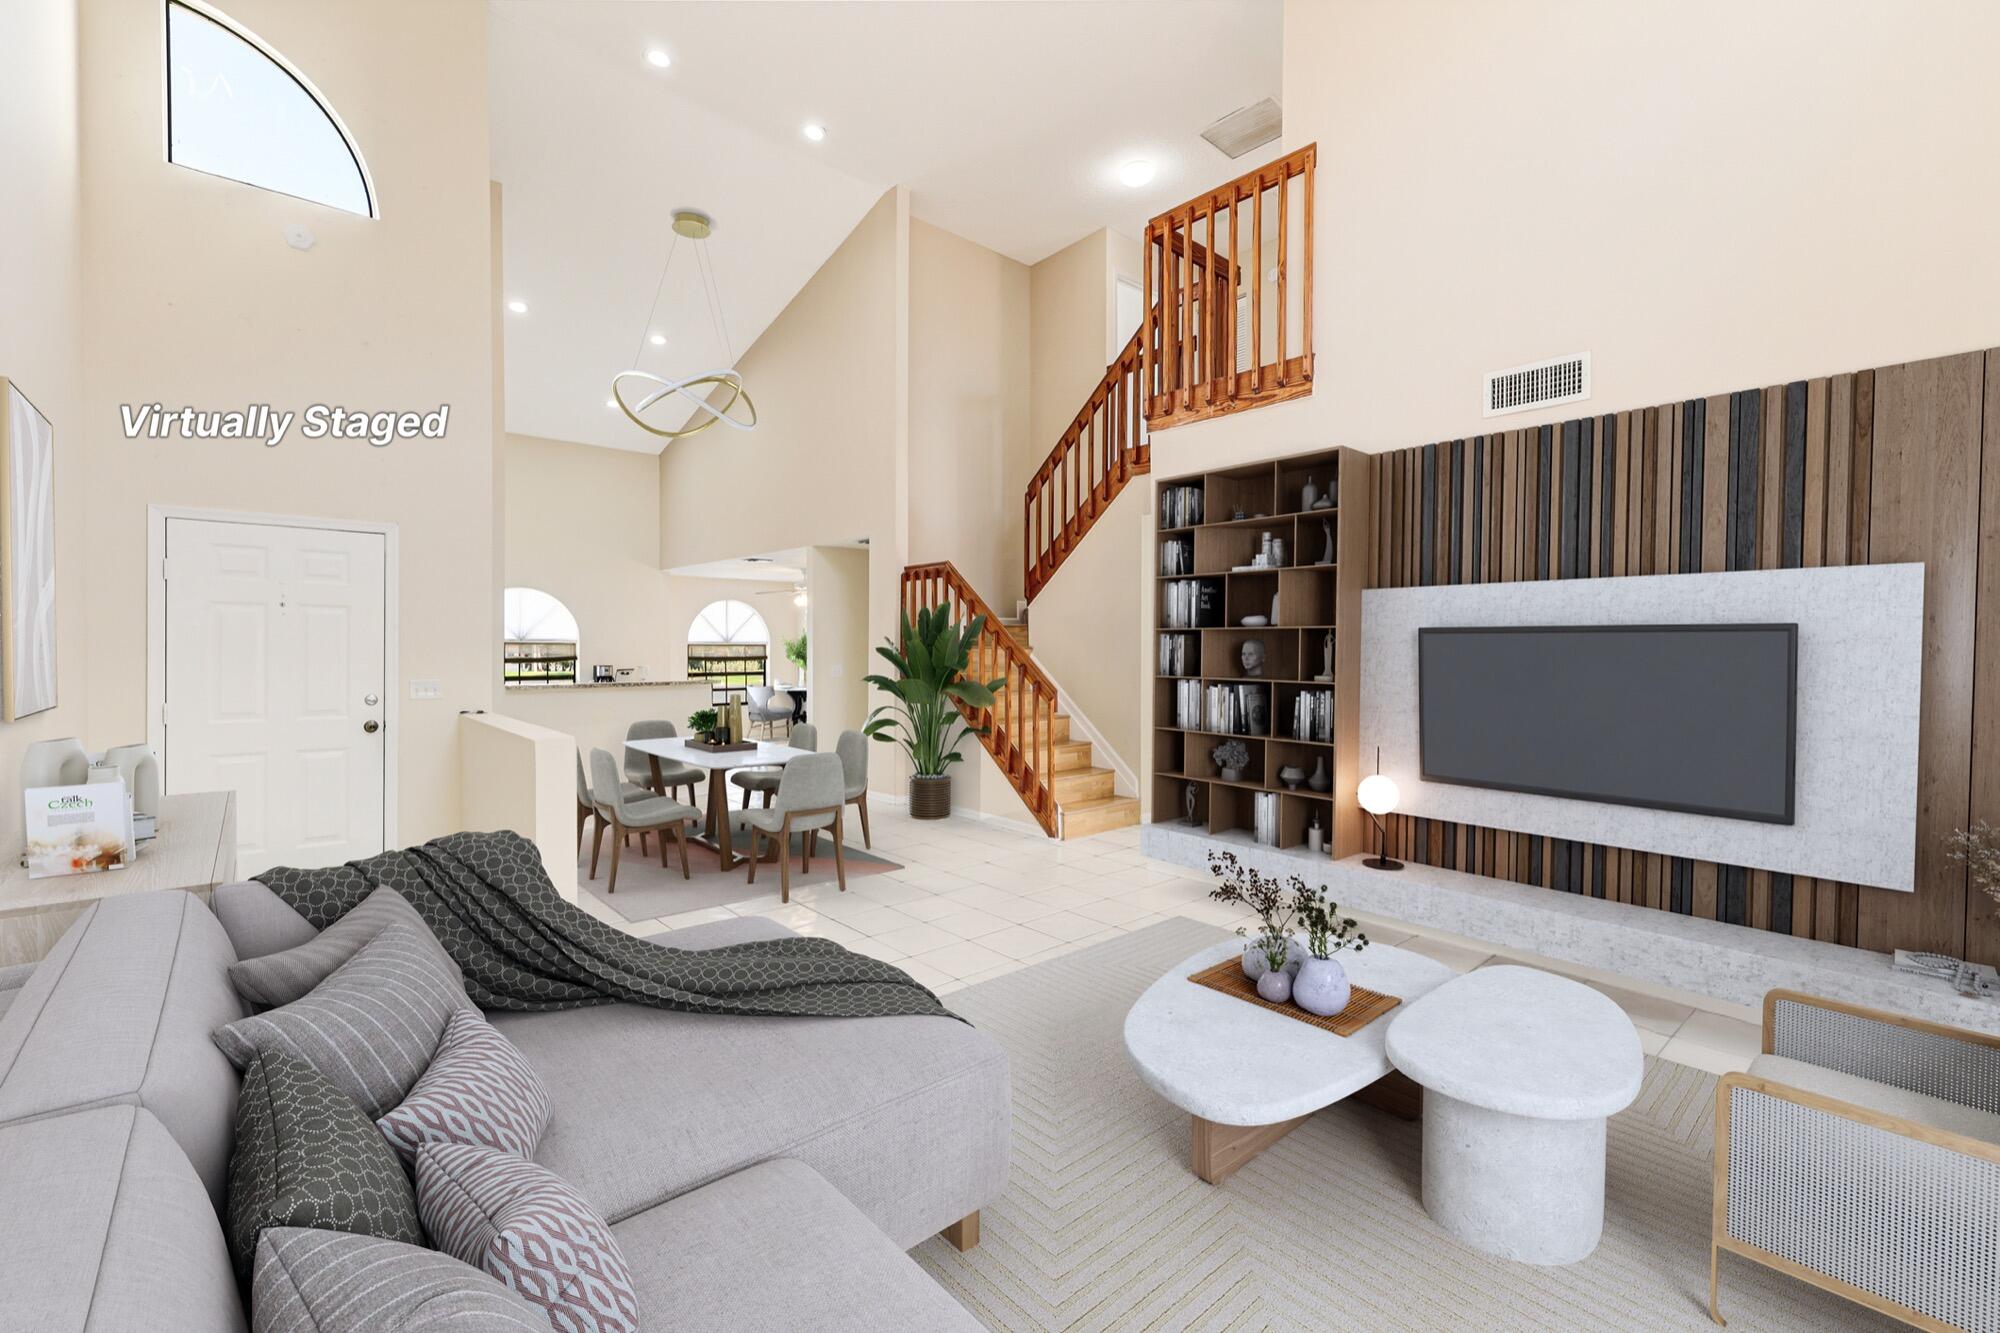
(1364, 1006)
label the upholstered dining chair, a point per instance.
(636, 814)
(639, 766)
(764, 781)
(853, 750)
(764, 711)
(808, 800)
(586, 804)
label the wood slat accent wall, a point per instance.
(1882, 466)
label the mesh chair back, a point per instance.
(811, 782)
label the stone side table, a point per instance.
(1520, 1069)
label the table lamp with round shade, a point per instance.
(1377, 795)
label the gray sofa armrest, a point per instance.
(1909, 1053)
(257, 920)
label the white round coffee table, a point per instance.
(1520, 1069)
(1249, 1076)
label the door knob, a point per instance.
(371, 726)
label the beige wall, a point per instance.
(515, 775)
(191, 296)
(969, 365)
(41, 322)
(842, 645)
(597, 719)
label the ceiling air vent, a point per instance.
(1542, 384)
(1246, 128)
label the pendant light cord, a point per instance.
(654, 309)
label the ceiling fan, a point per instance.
(797, 592)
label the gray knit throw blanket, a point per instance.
(523, 947)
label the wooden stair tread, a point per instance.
(1082, 819)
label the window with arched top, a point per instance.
(538, 637)
(238, 109)
(729, 645)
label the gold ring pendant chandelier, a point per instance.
(702, 391)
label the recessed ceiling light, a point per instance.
(658, 340)
(1139, 171)
(658, 59)
(814, 131)
(518, 307)
(611, 402)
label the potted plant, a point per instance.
(795, 653)
(1231, 757)
(922, 713)
(1273, 949)
(702, 722)
(1321, 986)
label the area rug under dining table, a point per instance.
(645, 891)
(1103, 1226)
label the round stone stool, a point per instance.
(1519, 1069)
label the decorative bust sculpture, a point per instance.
(1251, 655)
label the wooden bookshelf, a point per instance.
(1312, 604)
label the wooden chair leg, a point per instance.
(753, 855)
(785, 861)
(964, 1233)
(861, 802)
(661, 835)
(839, 857)
(681, 836)
(619, 836)
(582, 818)
(596, 841)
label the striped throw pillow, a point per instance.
(529, 1228)
(477, 1090)
(280, 978)
(311, 1281)
(371, 1027)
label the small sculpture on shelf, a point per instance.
(1319, 781)
(1251, 657)
(1309, 495)
(1292, 776)
(1231, 757)
(1326, 658)
(1188, 797)
(1326, 529)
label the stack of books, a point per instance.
(1178, 652)
(1177, 555)
(1312, 715)
(1192, 603)
(1239, 710)
(1187, 705)
(1180, 506)
(1264, 818)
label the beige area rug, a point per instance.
(1103, 1226)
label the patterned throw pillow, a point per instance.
(478, 1089)
(370, 1027)
(526, 1226)
(280, 978)
(330, 1282)
(306, 1156)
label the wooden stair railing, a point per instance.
(1103, 448)
(1020, 727)
(1197, 363)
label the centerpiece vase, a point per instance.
(1254, 965)
(1321, 987)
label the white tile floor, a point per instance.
(976, 899)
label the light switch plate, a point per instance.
(427, 689)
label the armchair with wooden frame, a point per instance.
(1861, 1153)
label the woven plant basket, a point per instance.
(930, 798)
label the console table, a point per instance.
(195, 851)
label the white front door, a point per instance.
(276, 684)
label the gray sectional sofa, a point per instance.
(756, 1172)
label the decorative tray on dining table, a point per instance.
(734, 747)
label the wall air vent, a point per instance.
(1246, 128)
(1542, 384)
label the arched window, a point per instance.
(236, 108)
(539, 637)
(729, 644)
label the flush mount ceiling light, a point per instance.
(658, 59)
(635, 390)
(1139, 171)
(814, 130)
(518, 307)
(657, 339)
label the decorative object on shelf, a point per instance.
(1254, 622)
(139, 770)
(77, 829)
(54, 763)
(1326, 528)
(1274, 608)
(1308, 494)
(1292, 775)
(1231, 757)
(1266, 547)
(1264, 818)
(27, 556)
(1378, 796)
(1242, 886)
(1315, 835)
(1251, 657)
(1190, 792)
(1237, 516)
(1978, 850)
(702, 722)
(1326, 659)
(1321, 986)
(1320, 780)
(922, 715)
(695, 227)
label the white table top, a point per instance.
(1523, 1042)
(767, 754)
(1234, 1063)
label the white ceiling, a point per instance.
(1007, 120)
(777, 567)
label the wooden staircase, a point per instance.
(1026, 731)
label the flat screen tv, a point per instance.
(1699, 718)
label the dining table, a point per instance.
(719, 764)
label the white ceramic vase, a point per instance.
(1321, 987)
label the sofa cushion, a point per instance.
(722, 934)
(371, 1027)
(776, 1246)
(106, 1227)
(1932, 1112)
(279, 978)
(528, 1228)
(258, 920)
(310, 1281)
(120, 1011)
(307, 1157)
(478, 1089)
(906, 1116)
